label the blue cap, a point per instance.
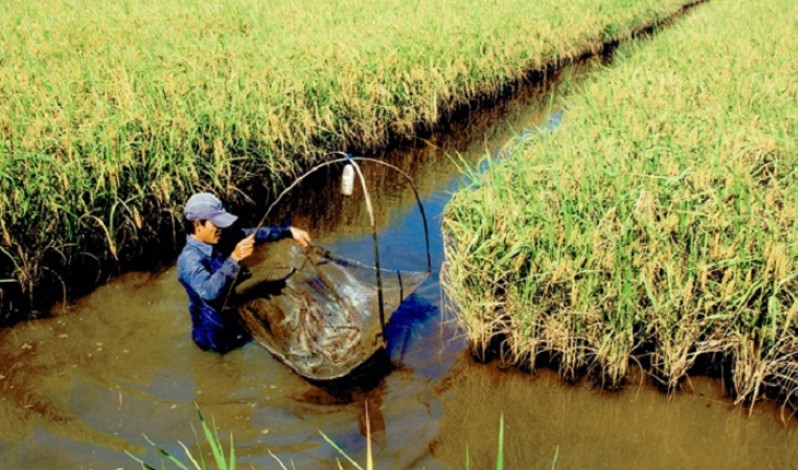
(206, 206)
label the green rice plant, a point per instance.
(658, 223)
(500, 447)
(369, 459)
(500, 452)
(196, 461)
(111, 114)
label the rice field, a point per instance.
(657, 226)
(111, 114)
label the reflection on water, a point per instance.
(583, 427)
(79, 388)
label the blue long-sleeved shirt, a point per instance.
(206, 275)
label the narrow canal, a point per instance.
(81, 387)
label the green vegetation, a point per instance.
(112, 113)
(658, 224)
(369, 457)
(211, 435)
(196, 460)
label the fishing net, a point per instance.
(318, 313)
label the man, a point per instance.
(207, 273)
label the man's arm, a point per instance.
(269, 234)
(210, 286)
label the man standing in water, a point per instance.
(207, 272)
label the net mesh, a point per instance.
(321, 315)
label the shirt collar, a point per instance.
(205, 248)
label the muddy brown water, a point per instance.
(79, 389)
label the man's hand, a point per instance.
(300, 236)
(243, 249)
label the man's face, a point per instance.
(207, 232)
